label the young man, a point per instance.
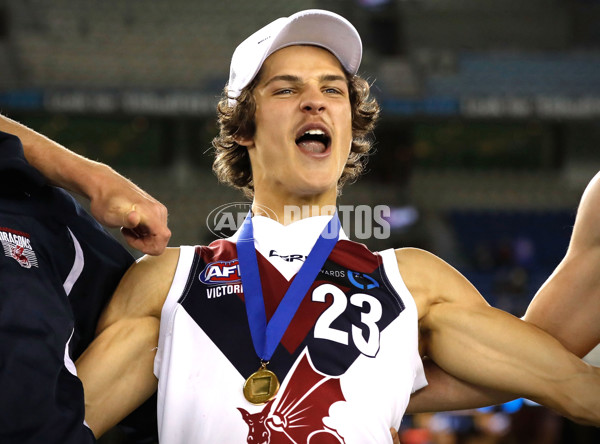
(337, 357)
(343, 341)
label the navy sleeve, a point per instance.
(41, 400)
(103, 260)
(58, 268)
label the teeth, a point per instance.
(315, 132)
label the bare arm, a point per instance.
(117, 368)
(486, 346)
(115, 201)
(444, 392)
(567, 306)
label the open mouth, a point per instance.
(314, 141)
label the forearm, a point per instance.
(578, 396)
(116, 371)
(568, 304)
(444, 392)
(114, 200)
(60, 166)
(507, 354)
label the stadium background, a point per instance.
(489, 132)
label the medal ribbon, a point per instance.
(266, 336)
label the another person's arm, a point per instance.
(115, 201)
(567, 306)
(444, 392)
(488, 347)
(117, 368)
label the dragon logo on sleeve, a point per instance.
(17, 252)
(17, 245)
(296, 415)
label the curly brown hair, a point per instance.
(232, 162)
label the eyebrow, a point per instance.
(296, 79)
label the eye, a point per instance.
(283, 91)
(334, 91)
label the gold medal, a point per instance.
(261, 386)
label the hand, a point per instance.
(117, 202)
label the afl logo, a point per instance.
(221, 272)
(226, 219)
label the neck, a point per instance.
(288, 209)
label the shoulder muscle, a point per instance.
(433, 281)
(143, 289)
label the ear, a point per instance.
(243, 140)
(244, 413)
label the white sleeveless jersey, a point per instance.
(347, 363)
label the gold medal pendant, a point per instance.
(261, 386)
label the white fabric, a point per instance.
(70, 365)
(391, 270)
(311, 27)
(77, 268)
(199, 390)
(296, 238)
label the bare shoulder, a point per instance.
(431, 280)
(415, 263)
(162, 264)
(143, 289)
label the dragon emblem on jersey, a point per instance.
(296, 415)
(17, 245)
(17, 253)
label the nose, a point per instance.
(312, 101)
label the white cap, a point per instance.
(311, 27)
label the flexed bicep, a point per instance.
(491, 348)
(117, 368)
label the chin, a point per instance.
(314, 188)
